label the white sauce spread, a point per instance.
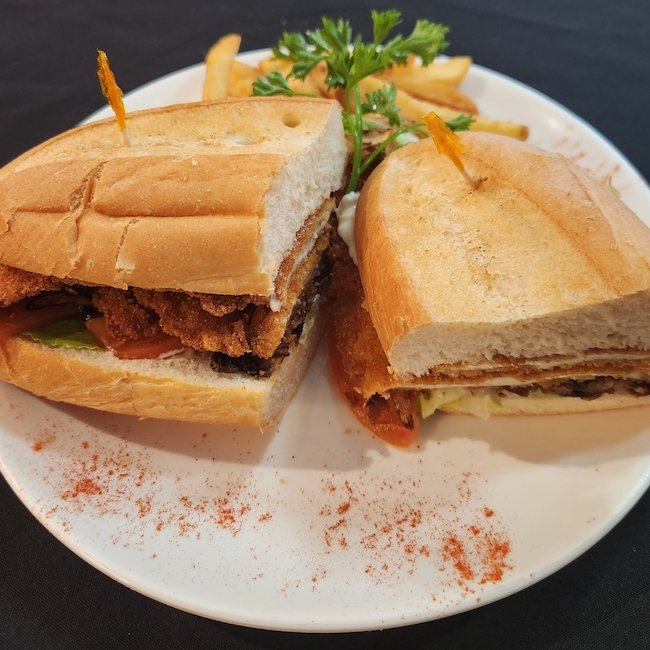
(345, 214)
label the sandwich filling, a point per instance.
(242, 333)
(390, 405)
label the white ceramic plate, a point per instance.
(320, 526)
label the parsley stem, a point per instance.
(346, 99)
(358, 142)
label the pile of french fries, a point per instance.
(420, 90)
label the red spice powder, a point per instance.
(43, 442)
(118, 480)
(369, 542)
(481, 557)
(496, 551)
(408, 530)
(185, 527)
(144, 506)
(398, 531)
(84, 486)
(225, 516)
(454, 549)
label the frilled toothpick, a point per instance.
(112, 92)
(449, 144)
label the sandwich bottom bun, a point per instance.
(177, 388)
(541, 404)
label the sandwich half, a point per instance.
(178, 277)
(527, 295)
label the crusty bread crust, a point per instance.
(173, 389)
(208, 197)
(541, 259)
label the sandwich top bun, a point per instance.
(540, 260)
(224, 189)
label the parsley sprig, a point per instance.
(349, 60)
(380, 102)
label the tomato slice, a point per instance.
(383, 416)
(146, 347)
(17, 318)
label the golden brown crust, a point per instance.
(506, 372)
(387, 287)
(351, 330)
(16, 284)
(306, 238)
(183, 316)
(267, 327)
(125, 318)
(209, 178)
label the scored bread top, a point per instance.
(208, 196)
(536, 261)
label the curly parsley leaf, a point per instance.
(294, 47)
(273, 83)
(383, 102)
(383, 22)
(349, 60)
(426, 41)
(460, 122)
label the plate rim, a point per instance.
(498, 592)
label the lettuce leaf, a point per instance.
(70, 333)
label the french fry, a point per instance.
(431, 90)
(318, 76)
(413, 109)
(502, 127)
(242, 76)
(240, 70)
(307, 86)
(449, 71)
(218, 62)
(420, 90)
(240, 88)
(271, 64)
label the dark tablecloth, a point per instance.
(590, 55)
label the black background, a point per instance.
(591, 56)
